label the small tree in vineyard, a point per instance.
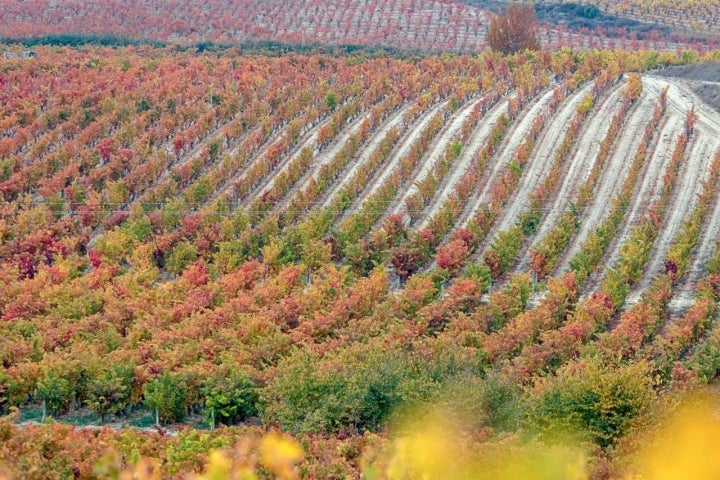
(230, 398)
(514, 31)
(166, 395)
(110, 391)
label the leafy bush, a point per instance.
(166, 395)
(599, 402)
(110, 391)
(503, 250)
(356, 389)
(493, 402)
(181, 256)
(230, 399)
(706, 360)
(55, 391)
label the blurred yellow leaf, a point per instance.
(686, 448)
(279, 454)
(145, 469)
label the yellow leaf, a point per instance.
(279, 454)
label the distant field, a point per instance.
(701, 16)
(412, 25)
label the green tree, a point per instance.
(230, 399)
(166, 395)
(110, 391)
(56, 392)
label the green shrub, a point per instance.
(230, 399)
(140, 228)
(7, 388)
(358, 388)
(597, 401)
(109, 392)
(478, 403)
(331, 101)
(481, 273)
(503, 250)
(713, 265)
(56, 392)
(181, 256)
(166, 395)
(706, 360)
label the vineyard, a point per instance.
(692, 15)
(413, 25)
(308, 243)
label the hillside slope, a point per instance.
(330, 238)
(415, 25)
(409, 24)
(699, 16)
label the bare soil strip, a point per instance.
(185, 158)
(378, 179)
(693, 171)
(504, 155)
(229, 184)
(684, 295)
(404, 143)
(192, 154)
(579, 168)
(537, 167)
(611, 179)
(707, 131)
(707, 242)
(644, 194)
(427, 163)
(326, 155)
(464, 162)
(309, 140)
(404, 146)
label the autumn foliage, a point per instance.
(231, 250)
(514, 30)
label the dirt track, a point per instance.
(377, 138)
(463, 163)
(611, 179)
(579, 167)
(703, 79)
